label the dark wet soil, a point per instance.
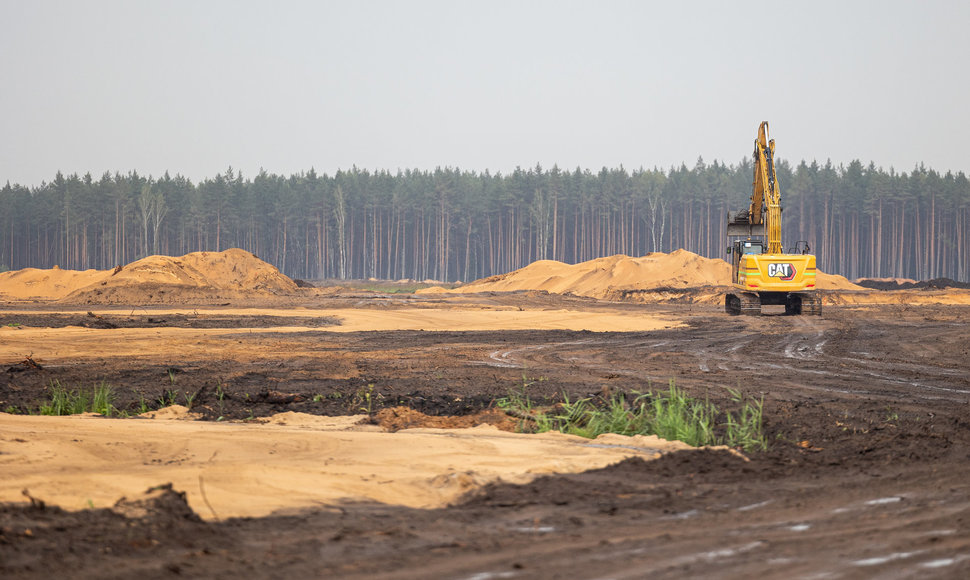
(158, 320)
(934, 284)
(868, 472)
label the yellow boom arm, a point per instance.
(766, 199)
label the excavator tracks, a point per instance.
(810, 303)
(747, 303)
(796, 303)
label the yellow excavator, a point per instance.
(761, 272)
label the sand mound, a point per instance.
(172, 412)
(253, 469)
(35, 284)
(155, 279)
(835, 282)
(614, 275)
(398, 418)
(862, 281)
(598, 278)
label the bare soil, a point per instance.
(868, 473)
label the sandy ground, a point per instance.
(50, 345)
(289, 462)
(866, 408)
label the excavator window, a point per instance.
(750, 247)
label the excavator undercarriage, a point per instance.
(749, 303)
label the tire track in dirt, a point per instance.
(799, 352)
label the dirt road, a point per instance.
(868, 474)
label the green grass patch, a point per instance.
(670, 414)
(62, 401)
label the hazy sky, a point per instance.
(194, 87)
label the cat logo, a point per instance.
(782, 271)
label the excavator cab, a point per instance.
(751, 247)
(740, 248)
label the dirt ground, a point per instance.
(867, 409)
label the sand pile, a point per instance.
(861, 281)
(598, 278)
(155, 279)
(53, 284)
(287, 463)
(835, 282)
(614, 275)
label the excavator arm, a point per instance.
(763, 217)
(765, 198)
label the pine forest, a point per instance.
(450, 225)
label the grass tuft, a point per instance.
(671, 415)
(63, 401)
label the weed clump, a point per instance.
(670, 415)
(62, 401)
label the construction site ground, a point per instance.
(867, 411)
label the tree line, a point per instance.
(449, 224)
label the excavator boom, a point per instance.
(765, 198)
